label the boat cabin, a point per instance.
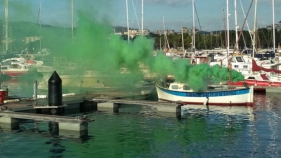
(179, 87)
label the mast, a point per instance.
(40, 26)
(6, 13)
(142, 17)
(193, 27)
(165, 35)
(227, 27)
(255, 23)
(160, 42)
(72, 19)
(273, 26)
(128, 29)
(182, 40)
(236, 27)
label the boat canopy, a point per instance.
(255, 67)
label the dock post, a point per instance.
(116, 107)
(178, 111)
(55, 94)
(35, 92)
(9, 123)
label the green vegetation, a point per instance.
(217, 39)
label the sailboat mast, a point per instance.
(193, 27)
(165, 35)
(255, 25)
(227, 27)
(142, 17)
(128, 34)
(273, 26)
(40, 25)
(6, 12)
(236, 26)
(182, 39)
(72, 19)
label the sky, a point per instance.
(158, 14)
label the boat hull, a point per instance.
(14, 73)
(225, 97)
(257, 83)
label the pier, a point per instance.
(77, 126)
(174, 107)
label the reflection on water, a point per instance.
(18, 87)
(214, 132)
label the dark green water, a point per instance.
(139, 132)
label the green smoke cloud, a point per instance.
(95, 47)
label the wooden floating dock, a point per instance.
(171, 107)
(41, 117)
(77, 126)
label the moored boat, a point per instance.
(259, 78)
(14, 69)
(181, 93)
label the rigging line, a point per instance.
(267, 42)
(135, 14)
(244, 40)
(200, 25)
(241, 31)
(246, 21)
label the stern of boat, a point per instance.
(251, 96)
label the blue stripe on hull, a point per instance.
(207, 94)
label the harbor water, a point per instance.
(138, 131)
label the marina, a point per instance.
(75, 83)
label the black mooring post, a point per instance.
(55, 93)
(178, 111)
(116, 107)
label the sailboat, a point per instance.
(216, 95)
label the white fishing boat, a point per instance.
(181, 93)
(14, 69)
(18, 66)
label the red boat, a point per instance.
(260, 81)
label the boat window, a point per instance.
(175, 87)
(239, 59)
(251, 78)
(4, 68)
(185, 87)
(236, 66)
(245, 66)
